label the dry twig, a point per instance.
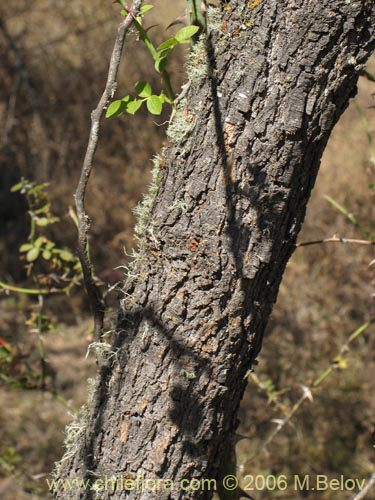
(95, 299)
(366, 489)
(335, 239)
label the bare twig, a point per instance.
(368, 75)
(335, 239)
(366, 489)
(95, 299)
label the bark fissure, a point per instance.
(231, 199)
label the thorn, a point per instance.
(177, 21)
(182, 19)
(150, 27)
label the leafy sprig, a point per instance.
(131, 104)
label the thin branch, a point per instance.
(30, 291)
(335, 239)
(368, 75)
(366, 489)
(95, 299)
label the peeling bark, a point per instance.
(232, 188)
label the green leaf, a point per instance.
(39, 241)
(17, 187)
(42, 221)
(161, 64)
(163, 52)
(25, 247)
(155, 104)
(184, 34)
(47, 255)
(146, 8)
(133, 106)
(32, 254)
(116, 108)
(168, 44)
(66, 255)
(143, 89)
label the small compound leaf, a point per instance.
(116, 108)
(46, 255)
(39, 241)
(155, 104)
(17, 187)
(163, 53)
(143, 89)
(145, 8)
(168, 44)
(42, 221)
(32, 254)
(133, 106)
(184, 34)
(25, 247)
(66, 255)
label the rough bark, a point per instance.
(232, 191)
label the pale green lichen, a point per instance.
(198, 70)
(104, 354)
(179, 205)
(187, 374)
(74, 437)
(92, 386)
(143, 209)
(214, 19)
(182, 123)
(197, 64)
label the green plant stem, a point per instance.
(29, 291)
(343, 349)
(197, 16)
(323, 376)
(351, 218)
(152, 50)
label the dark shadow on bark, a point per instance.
(186, 403)
(233, 191)
(232, 230)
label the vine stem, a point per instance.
(84, 222)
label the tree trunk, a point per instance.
(218, 227)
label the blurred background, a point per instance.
(315, 381)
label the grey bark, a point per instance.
(231, 198)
